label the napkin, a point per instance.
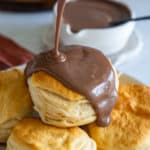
(12, 54)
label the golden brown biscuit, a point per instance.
(126, 132)
(32, 134)
(57, 104)
(134, 97)
(15, 101)
(130, 126)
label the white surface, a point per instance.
(132, 48)
(101, 39)
(28, 30)
(139, 66)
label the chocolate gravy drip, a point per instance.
(57, 54)
(84, 70)
(83, 14)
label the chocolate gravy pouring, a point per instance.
(82, 69)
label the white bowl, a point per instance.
(108, 40)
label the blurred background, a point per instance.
(26, 5)
(27, 22)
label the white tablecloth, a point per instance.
(28, 29)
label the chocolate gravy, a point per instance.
(84, 70)
(83, 14)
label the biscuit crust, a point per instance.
(32, 134)
(58, 105)
(15, 101)
(130, 125)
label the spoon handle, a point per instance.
(140, 18)
(130, 19)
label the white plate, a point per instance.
(123, 79)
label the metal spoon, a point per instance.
(112, 24)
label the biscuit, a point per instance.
(134, 97)
(57, 104)
(15, 101)
(130, 125)
(32, 134)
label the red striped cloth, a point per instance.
(12, 54)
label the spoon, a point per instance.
(128, 20)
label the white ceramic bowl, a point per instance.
(108, 40)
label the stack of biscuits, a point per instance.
(61, 112)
